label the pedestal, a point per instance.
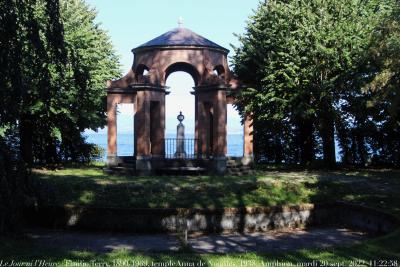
(180, 141)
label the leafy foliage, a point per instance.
(56, 79)
(54, 60)
(306, 64)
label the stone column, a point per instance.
(219, 129)
(201, 128)
(196, 124)
(220, 121)
(115, 97)
(149, 127)
(248, 141)
(142, 133)
(111, 131)
(157, 133)
(204, 109)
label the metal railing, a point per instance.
(176, 148)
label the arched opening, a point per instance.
(142, 71)
(125, 130)
(219, 71)
(180, 84)
(235, 133)
(183, 67)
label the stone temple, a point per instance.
(144, 86)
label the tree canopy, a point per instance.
(307, 65)
(54, 61)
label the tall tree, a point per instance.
(25, 60)
(298, 57)
(91, 61)
(54, 61)
(384, 88)
(74, 57)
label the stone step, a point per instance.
(120, 171)
(127, 165)
(239, 171)
(177, 163)
(181, 170)
(239, 166)
(127, 159)
(233, 166)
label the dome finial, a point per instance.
(180, 22)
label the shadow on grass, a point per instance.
(25, 250)
(378, 189)
(93, 188)
(379, 249)
(375, 188)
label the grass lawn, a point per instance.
(89, 186)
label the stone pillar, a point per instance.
(219, 132)
(202, 128)
(149, 127)
(196, 124)
(211, 120)
(220, 121)
(115, 97)
(142, 133)
(111, 131)
(159, 144)
(157, 130)
(248, 141)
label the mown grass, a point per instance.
(89, 186)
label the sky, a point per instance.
(131, 23)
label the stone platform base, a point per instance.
(158, 165)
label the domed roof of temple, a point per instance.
(180, 37)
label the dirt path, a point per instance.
(257, 242)
(275, 241)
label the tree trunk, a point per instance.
(328, 139)
(344, 142)
(278, 150)
(51, 151)
(306, 141)
(14, 185)
(361, 148)
(26, 139)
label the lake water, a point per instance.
(125, 143)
